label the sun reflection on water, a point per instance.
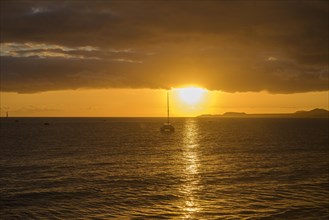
(191, 185)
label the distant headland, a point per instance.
(315, 113)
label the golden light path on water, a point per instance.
(191, 162)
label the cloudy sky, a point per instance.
(276, 47)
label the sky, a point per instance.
(118, 58)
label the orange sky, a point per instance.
(152, 103)
(78, 58)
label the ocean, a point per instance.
(125, 168)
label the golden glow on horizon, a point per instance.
(152, 103)
(191, 95)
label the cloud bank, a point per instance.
(277, 46)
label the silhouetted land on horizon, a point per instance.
(315, 113)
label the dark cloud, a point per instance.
(278, 46)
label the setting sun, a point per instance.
(191, 95)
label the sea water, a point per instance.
(209, 168)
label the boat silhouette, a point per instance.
(167, 126)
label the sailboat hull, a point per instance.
(167, 128)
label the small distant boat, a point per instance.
(46, 123)
(167, 127)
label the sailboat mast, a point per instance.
(168, 107)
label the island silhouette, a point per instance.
(314, 113)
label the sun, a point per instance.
(191, 95)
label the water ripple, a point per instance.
(126, 169)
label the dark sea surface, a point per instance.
(210, 168)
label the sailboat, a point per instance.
(167, 127)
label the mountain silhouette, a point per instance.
(314, 113)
